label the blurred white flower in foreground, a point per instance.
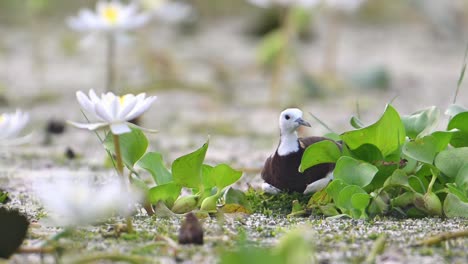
(270, 3)
(109, 16)
(11, 126)
(82, 202)
(167, 10)
(113, 111)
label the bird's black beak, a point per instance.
(302, 122)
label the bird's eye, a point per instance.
(287, 117)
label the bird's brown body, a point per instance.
(283, 173)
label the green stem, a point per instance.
(120, 170)
(434, 177)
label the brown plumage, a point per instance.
(283, 173)
(281, 169)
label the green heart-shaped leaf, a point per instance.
(133, 146)
(167, 193)
(387, 134)
(455, 207)
(354, 172)
(187, 170)
(421, 123)
(450, 161)
(422, 149)
(325, 151)
(153, 162)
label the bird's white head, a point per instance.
(290, 119)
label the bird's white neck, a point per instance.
(288, 143)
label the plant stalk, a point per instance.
(286, 31)
(434, 240)
(331, 43)
(120, 171)
(110, 62)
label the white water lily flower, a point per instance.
(270, 3)
(11, 126)
(108, 16)
(113, 111)
(82, 201)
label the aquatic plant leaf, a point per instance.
(334, 188)
(345, 199)
(356, 122)
(397, 179)
(387, 134)
(455, 207)
(354, 172)
(367, 152)
(325, 151)
(462, 179)
(450, 161)
(236, 201)
(133, 146)
(185, 204)
(187, 170)
(167, 193)
(421, 123)
(222, 175)
(360, 201)
(460, 137)
(443, 138)
(422, 149)
(455, 109)
(454, 189)
(153, 163)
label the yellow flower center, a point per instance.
(122, 99)
(111, 14)
(2, 118)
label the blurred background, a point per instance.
(212, 69)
